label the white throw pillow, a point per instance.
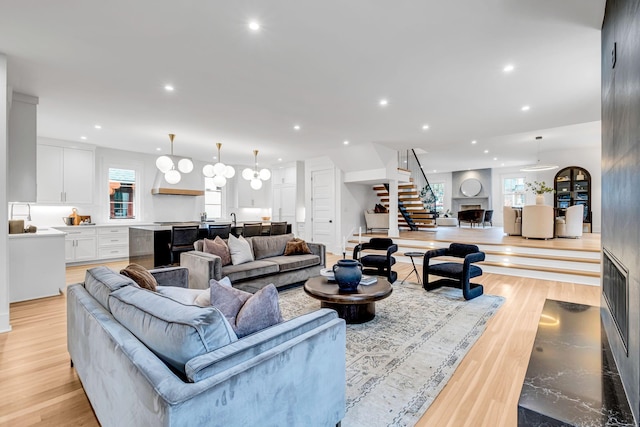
(240, 250)
(204, 297)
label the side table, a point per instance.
(413, 255)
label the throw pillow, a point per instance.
(240, 250)
(296, 247)
(260, 311)
(380, 209)
(204, 297)
(218, 247)
(227, 299)
(141, 276)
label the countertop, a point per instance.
(571, 378)
(42, 232)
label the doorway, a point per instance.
(323, 207)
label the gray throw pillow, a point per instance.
(227, 299)
(204, 298)
(260, 311)
(240, 250)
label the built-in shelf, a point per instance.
(177, 192)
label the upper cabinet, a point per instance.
(250, 198)
(573, 187)
(21, 149)
(288, 194)
(65, 175)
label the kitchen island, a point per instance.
(36, 264)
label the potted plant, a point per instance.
(539, 188)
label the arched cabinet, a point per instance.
(573, 187)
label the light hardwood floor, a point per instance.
(39, 387)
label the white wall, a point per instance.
(4, 241)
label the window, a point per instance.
(212, 199)
(513, 192)
(438, 191)
(122, 183)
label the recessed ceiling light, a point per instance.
(279, 159)
(495, 158)
(97, 126)
(425, 127)
(474, 142)
(215, 157)
(83, 137)
(525, 108)
(296, 127)
(434, 171)
(508, 68)
(486, 151)
(501, 164)
(254, 26)
(345, 142)
(168, 88)
(158, 149)
(383, 102)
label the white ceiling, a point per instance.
(321, 64)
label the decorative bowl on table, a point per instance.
(266, 218)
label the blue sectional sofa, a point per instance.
(145, 359)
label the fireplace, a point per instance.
(469, 207)
(615, 289)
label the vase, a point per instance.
(348, 273)
(539, 199)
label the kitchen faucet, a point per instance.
(234, 218)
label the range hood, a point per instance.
(191, 184)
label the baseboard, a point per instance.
(5, 326)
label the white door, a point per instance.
(323, 207)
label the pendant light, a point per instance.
(256, 177)
(219, 172)
(538, 167)
(166, 165)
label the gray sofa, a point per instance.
(133, 350)
(270, 265)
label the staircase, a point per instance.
(411, 212)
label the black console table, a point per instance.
(572, 379)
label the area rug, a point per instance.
(398, 362)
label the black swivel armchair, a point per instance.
(457, 274)
(379, 265)
(182, 239)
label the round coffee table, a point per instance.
(355, 307)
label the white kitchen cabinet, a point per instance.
(288, 194)
(113, 242)
(80, 243)
(250, 198)
(65, 175)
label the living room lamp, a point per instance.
(219, 172)
(256, 177)
(166, 165)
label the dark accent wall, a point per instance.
(621, 174)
